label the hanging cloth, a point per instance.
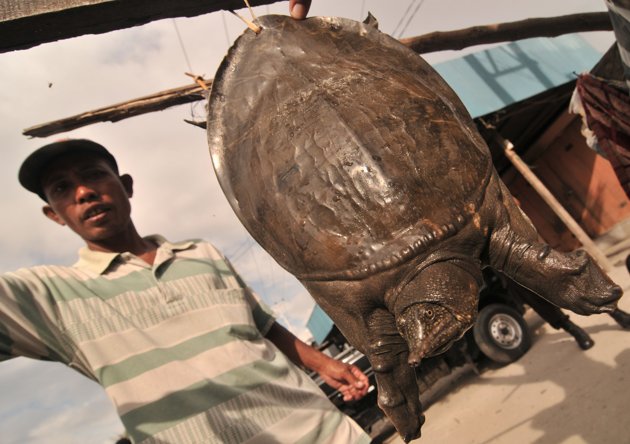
(605, 109)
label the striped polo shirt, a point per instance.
(178, 346)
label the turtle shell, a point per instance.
(341, 150)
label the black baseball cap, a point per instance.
(33, 167)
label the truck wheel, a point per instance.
(501, 333)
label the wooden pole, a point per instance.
(557, 208)
(120, 111)
(501, 32)
(27, 23)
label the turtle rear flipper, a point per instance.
(569, 280)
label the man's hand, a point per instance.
(351, 382)
(299, 8)
(348, 379)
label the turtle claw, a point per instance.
(398, 395)
(402, 408)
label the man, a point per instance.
(182, 347)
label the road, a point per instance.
(555, 394)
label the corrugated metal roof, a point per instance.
(492, 79)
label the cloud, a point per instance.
(133, 46)
(47, 402)
(92, 421)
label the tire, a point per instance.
(501, 333)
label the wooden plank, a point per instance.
(581, 180)
(27, 23)
(501, 32)
(548, 224)
(550, 135)
(584, 182)
(556, 177)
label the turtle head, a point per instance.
(435, 306)
(429, 329)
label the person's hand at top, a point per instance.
(299, 8)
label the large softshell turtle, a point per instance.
(359, 170)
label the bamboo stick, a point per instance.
(124, 110)
(555, 205)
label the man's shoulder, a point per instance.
(39, 273)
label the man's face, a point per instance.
(86, 194)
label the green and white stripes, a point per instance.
(178, 346)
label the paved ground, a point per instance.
(555, 394)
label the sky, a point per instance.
(176, 192)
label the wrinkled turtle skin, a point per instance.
(351, 161)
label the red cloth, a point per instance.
(607, 112)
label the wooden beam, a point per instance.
(27, 23)
(120, 111)
(163, 100)
(501, 32)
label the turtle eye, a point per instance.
(429, 314)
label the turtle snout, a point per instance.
(428, 329)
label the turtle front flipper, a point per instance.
(569, 280)
(371, 328)
(437, 306)
(398, 393)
